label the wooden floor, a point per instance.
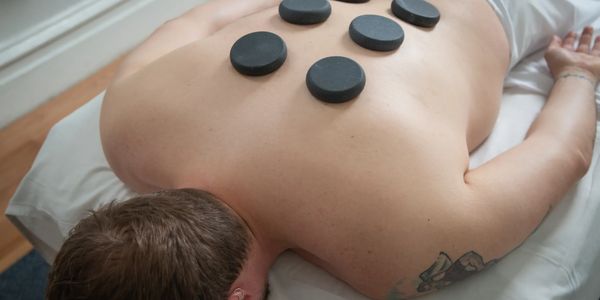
(20, 143)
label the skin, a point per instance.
(373, 190)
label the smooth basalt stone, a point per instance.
(376, 33)
(354, 1)
(258, 53)
(305, 12)
(416, 12)
(336, 79)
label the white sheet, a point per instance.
(561, 260)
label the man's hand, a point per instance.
(564, 58)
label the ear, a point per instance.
(237, 294)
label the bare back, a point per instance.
(315, 173)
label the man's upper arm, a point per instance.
(496, 209)
(196, 24)
(503, 202)
(510, 195)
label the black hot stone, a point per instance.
(354, 1)
(305, 12)
(258, 53)
(416, 12)
(336, 79)
(376, 33)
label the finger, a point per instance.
(569, 41)
(556, 42)
(596, 49)
(585, 40)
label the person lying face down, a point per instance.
(232, 170)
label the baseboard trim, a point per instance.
(99, 34)
(44, 33)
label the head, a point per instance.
(177, 244)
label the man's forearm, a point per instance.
(569, 117)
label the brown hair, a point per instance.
(177, 244)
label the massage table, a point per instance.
(560, 260)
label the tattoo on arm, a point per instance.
(442, 273)
(396, 292)
(445, 272)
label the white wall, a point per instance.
(48, 45)
(20, 17)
